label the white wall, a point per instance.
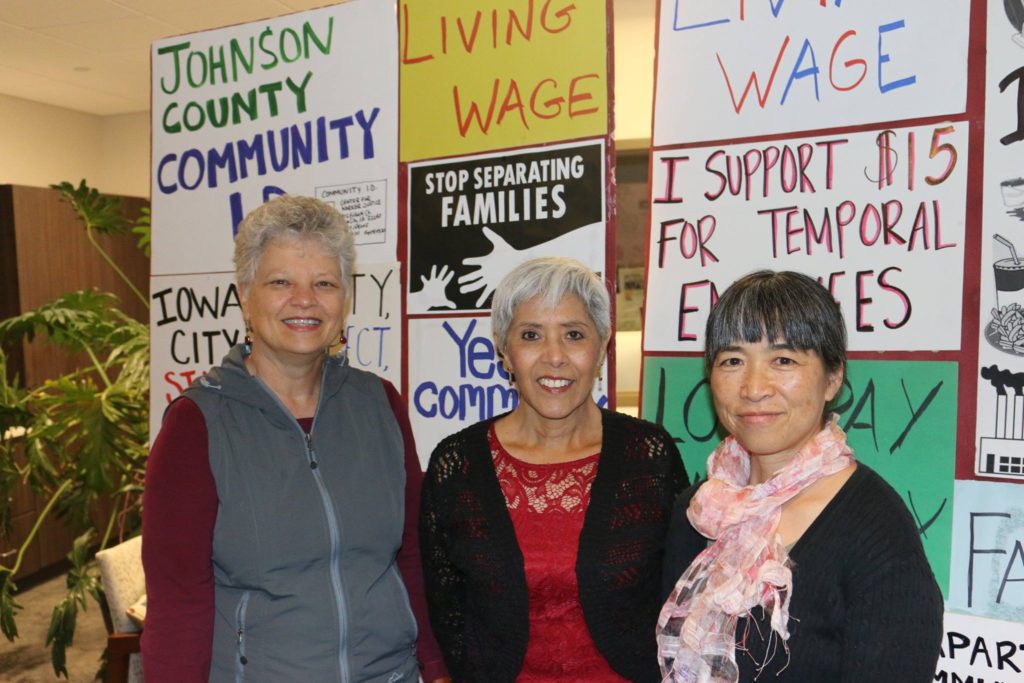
(634, 71)
(634, 87)
(125, 143)
(41, 144)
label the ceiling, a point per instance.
(93, 55)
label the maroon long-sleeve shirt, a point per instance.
(179, 512)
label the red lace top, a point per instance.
(547, 504)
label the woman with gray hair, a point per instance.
(280, 526)
(542, 530)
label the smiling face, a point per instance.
(296, 303)
(771, 397)
(556, 354)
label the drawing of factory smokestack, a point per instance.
(1002, 455)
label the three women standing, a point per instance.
(542, 530)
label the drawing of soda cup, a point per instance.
(1009, 282)
(1009, 274)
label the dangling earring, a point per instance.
(508, 370)
(342, 341)
(600, 384)
(248, 338)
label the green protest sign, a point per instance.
(899, 416)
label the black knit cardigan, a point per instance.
(473, 567)
(865, 605)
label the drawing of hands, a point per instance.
(489, 268)
(432, 294)
(584, 242)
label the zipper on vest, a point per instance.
(242, 660)
(310, 453)
(335, 564)
(330, 513)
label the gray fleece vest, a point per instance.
(306, 585)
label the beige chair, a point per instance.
(124, 583)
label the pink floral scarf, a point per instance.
(746, 565)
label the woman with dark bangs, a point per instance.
(791, 562)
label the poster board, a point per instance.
(911, 444)
(309, 104)
(507, 155)
(242, 114)
(873, 214)
(976, 650)
(480, 76)
(868, 113)
(762, 68)
(1000, 368)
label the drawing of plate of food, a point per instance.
(1006, 329)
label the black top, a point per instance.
(865, 604)
(473, 568)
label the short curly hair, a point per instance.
(292, 217)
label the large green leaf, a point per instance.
(144, 229)
(99, 212)
(13, 412)
(8, 605)
(73, 320)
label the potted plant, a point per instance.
(85, 434)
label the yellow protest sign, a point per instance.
(483, 75)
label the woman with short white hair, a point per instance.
(542, 530)
(279, 527)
